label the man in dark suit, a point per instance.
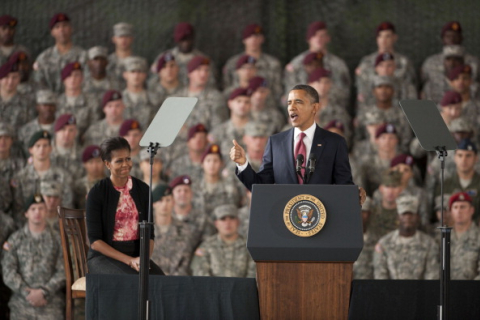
(279, 159)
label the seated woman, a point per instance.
(115, 205)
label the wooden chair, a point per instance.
(75, 248)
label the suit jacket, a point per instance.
(278, 164)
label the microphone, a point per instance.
(298, 166)
(312, 161)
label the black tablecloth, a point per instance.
(412, 299)
(116, 297)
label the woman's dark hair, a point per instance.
(311, 92)
(112, 144)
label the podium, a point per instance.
(300, 275)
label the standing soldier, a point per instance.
(122, 39)
(224, 254)
(50, 62)
(94, 168)
(97, 79)
(8, 25)
(406, 253)
(32, 266)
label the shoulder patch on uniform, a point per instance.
(6, 246)
(199, 252)
(378, 248)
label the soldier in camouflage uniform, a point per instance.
(406, 253)
(52, 194)
(460, 80)
(168, 83)
(114, 109)
(156, 168)
(224, 254)
(173, 244)
(131, 130)
(365, 140)
(8, 25)
(50, 62)
(245, 69)
(97, 80)
(46, 108)
(7, 227)
(465, 239)
(318, 39)
(186, 213)
(363, 267)
(85, 107)
(33, 269)
(122, 39)
(27, 85)
(267, 65)
(94, 168)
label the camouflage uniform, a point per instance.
(244, 217)
(185, 166)
(400, 258)
(7, 227)
(465, 254)
(403, 67)
(69, 160)
(382, 221)
(199, 222)
(402, 90)
(98, 87)
(224, 134)
(173, 249)
(99, 131)
(115, 68)
(85, 108)
(209, 196)
(215, 258)
(433, 67)
(335, 112)
(27, 130)
(50, 63)
(8, 169)
(34, 262)
(159, 93)
(273, 118)
(80, 189)
(14, 48)
(142, 110)
(18, 110)
(372, 171)
(363, 267)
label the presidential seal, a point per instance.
(304, 215)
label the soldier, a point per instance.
(264, 108)
(94, 168)
(245, 70)
(185, 213)
(318, 39)
(132, 132)
(224, 254)
(465, 239)
(213, 190)
(460, 80)
(97, 80)
(173, 244)
(84, 106)
(27, 181)
(32, 266)
(363, 267)
(267, 65)
(365, 140)
(210, 108)
(7, 227)
(46, 108)
(184, 52)
(168, 82)
(406, 253)
(50, 62)
(139, 103)
(8, 25)
(122, 39)
(156, 168)
(15, 108)
(255, 139)
(113, 108)
(432, 228)
(234, 128)
(52, 194)
(191, 163)
(27, 85)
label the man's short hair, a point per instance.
(311, 92)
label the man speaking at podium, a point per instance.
(304, 154)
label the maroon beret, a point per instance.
(127, 125)
(111, 95)
(6, 68)
(18, 56)
(451, 97)
(90, 152)
(240, 92)
(197, 62)
(63, 120)
(164, 59)
(312, 56)
(196, 129)
(319, 73)
(451, 26)
(59, 17)
(180, 180)
(455, 72)
(459, 196)
(251, 29)
(402, 158)
(69, 68)
(383, 57)
(182, 30)
(257, 82)
(7, 20)
(244, 59)
(385, 128)
(212, 149)
(385, 26)
(335, 124)
(314, 27)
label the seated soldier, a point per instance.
(131, 130)
(93, 165)
(224, 254)
(97, 81)
(406, 253)
(32, 267)
(8, 48)
(156, 168)
(365, 140)
(167, 84)
(245, 70)
(460, 80)
(465, 239)
(122, 39)
(363, 267)
(264, 108)
(173, 244)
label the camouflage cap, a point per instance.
(374, 116)
(46, 97)
(225, 210)
(407, 203)
(50, 188)
(314, 27)
(69, 68)
(460, 125)
(459, 196)
(391, 178)
(42, 134)
(161, 191)
(7, 20)
(58, 17)
(122, 29)
(451, 26)
(256, 129)
(33, 199)
(453, 50)
(90, 152)
(6, 130)
(145, 155)
(383, 81)
(135, 64)
(250, 30)
(97, 51)
(438, 202)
